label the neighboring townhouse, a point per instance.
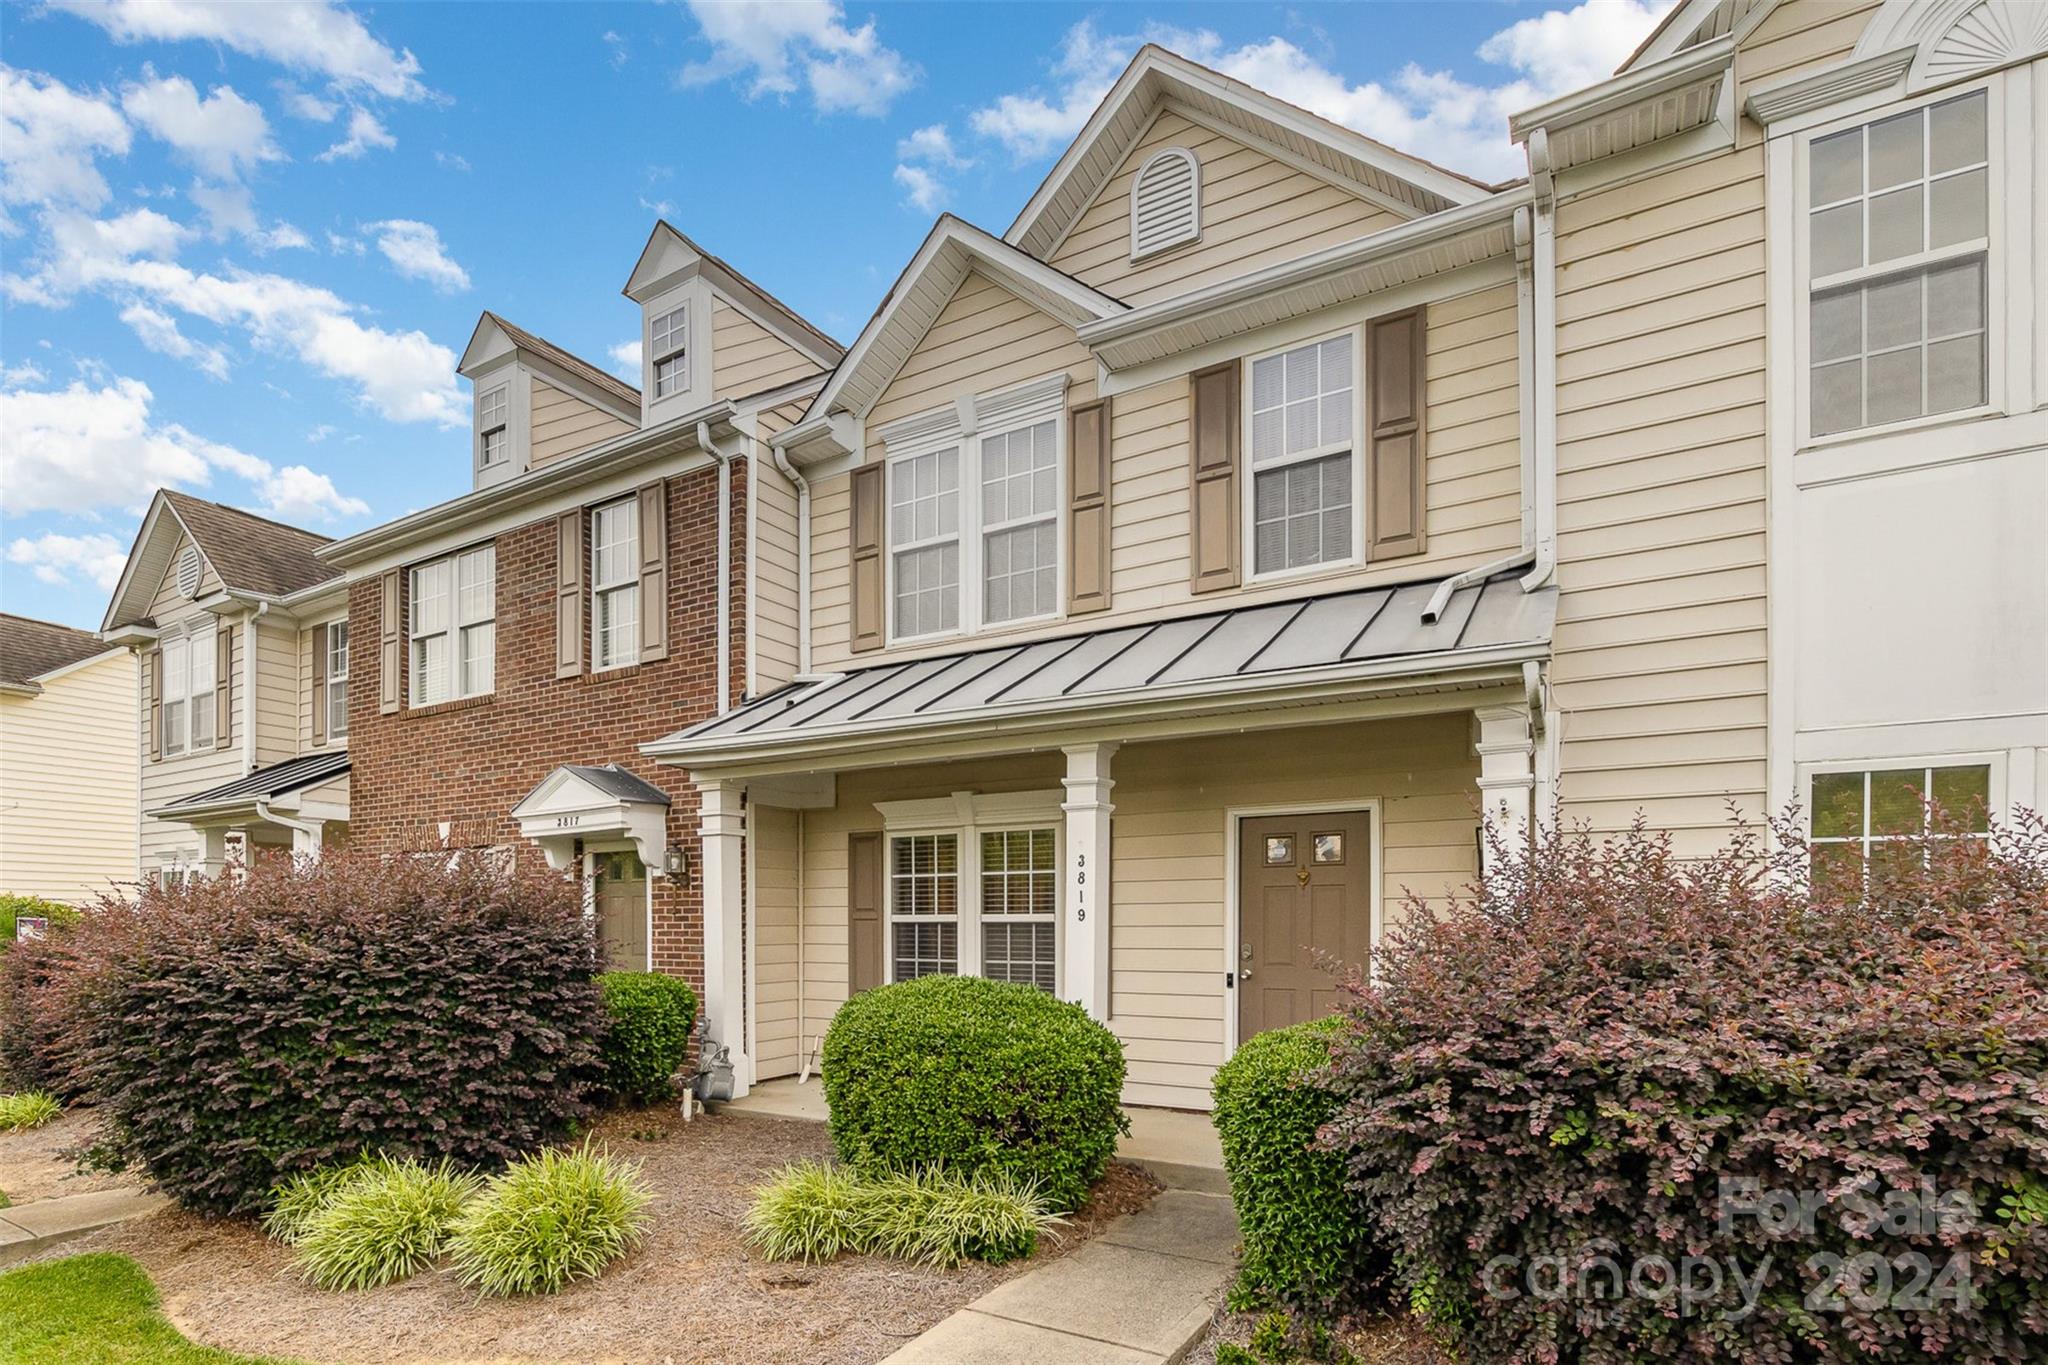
(1181, 573)
(244, 646)
(68, 800)
(592, 591)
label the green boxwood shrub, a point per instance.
(549, 1219)
(1304, 1240)
(975, 1075)
(648, 1035)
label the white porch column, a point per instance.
(213, 850)
(1088, 810)
(307, 837)
(1506, 745)
(722, 823)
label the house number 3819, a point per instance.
(1080, 888)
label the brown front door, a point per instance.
(621, 894)
(1304, 889)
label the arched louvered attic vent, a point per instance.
(1166, 202)
(188, 571)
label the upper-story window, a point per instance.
(1300, 411)
(924, 535)
(1019, 523)
(615, 584)
(495, 444)
(188, 700)
(453, 627)
(1898, 219)
(337, 680)
(668, 345)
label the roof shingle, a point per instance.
(30, 648)
(568, 360)
(250, 553)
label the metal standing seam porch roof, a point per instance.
(292, 775)
(1294, 639)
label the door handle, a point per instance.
(1245, 975)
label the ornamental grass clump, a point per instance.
(549, 1219)
(388, 1221)
(26, 1110)
(295, 1200)
(814, 1211)
(811, 1211)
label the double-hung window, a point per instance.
(493, 442)
(669, 345)
(924, 539)
(1303, 466)
(975, 898)
(337, 680)
(1020, 523)
(615, 584)
(1898, 235)
(453, 627)
(188, 684)
(1863, 821)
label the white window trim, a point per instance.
(1994, 759)
(189, 643)
(964, 425)
(631, 582)
(967, 816)
(453, 630)
(501, 424)
(656, 357)
(1247, 528)
(1994, 250)
(337, 717)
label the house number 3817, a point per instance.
(1080, 888)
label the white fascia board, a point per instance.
(1679, 25)
(159, 507)
(1623, 92)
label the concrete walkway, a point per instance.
(28, 1228)
(1140, 1293)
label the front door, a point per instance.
(620, 883)
(1304, 890)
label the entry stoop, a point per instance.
(1179, 1147)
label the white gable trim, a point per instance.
(565, 808)
(120, 610)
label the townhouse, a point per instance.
(242, 644)
(69, 805)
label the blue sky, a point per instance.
(242, 246)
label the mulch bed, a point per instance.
(692, 1292)
(42, 1163)
(1389, 1340)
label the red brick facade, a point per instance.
(468, 763)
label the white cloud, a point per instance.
(415, 249)
(54, 558)
(365, 134)
(451, 160)
(626, 359)
(785, 45)
(921, 189)
(933, 144)
(300, 104)
(621, 54)
(50, 136)
(320, 38)
(83, 448)
(222, 134)
(27, 372)
(1430, 114)
(231, 209)
(158, 330)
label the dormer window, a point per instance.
(496, 442)
(669, 346)
(1166, 203)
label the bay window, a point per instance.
(452, 627)
(615, 584)
(1898, 238)
(973, 888)
(1303, 464)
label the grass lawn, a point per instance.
(84, 1310)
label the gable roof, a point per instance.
(952, 249)
(31, 648)
(248, 553)
(778, 316)
(1156, 76)
(608, 383)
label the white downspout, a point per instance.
(249, 686)
(803, 557)
(1543, 453)
(315, 831)
(724, 564)
(803, 1052)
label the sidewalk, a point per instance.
(1138, 1294)
(28, 1228)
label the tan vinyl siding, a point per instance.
(747, 358)
(1799, 37)
(564, 424)
(1472, 494)
(169, 604)
(68, 783)
(1255, 211)
(277, 694)
(774, 563)
(773, 848)
(1660, 650)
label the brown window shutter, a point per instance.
(390, 641)
(653, 572)
(1212, 472)
(864, 912)
(223, 684)
(319, 685)
(569, 594)
(1395, 480)
(153, 682)
(1088, 507)
(868, 632)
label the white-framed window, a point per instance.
(452, 627)
(1020, 523)
(669, 346)
(924, 542)
(494, 443)
(615, 584)
(1301, 416)
(1860, 817)
(189, 683)
(337, 680)
(973, 887)
(1898, 255)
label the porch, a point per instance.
(299, 806)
